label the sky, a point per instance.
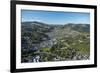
(54, 17)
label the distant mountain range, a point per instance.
(72, 26)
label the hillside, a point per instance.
(43, 42)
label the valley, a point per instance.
(41, 42)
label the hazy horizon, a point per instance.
(55, 23)
(54, 17)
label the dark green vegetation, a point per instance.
(42, 42)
